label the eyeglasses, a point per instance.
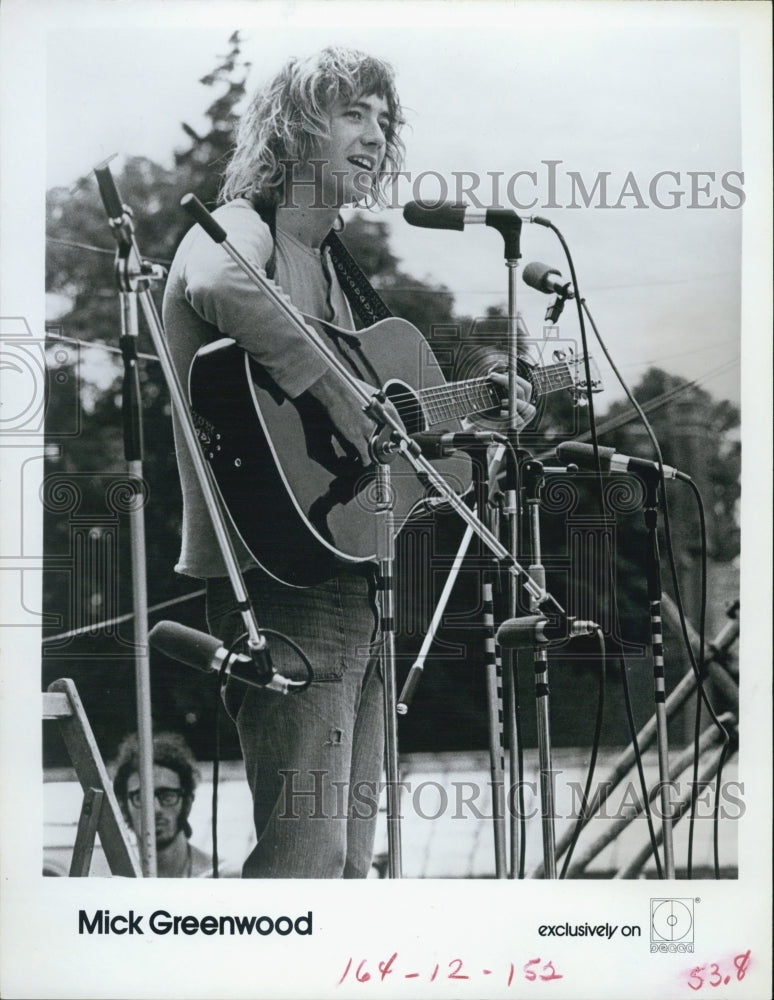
(164, 796)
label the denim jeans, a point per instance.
(313, 760)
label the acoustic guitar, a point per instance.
(297, 499)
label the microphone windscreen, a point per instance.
(517, 632)
(535, 274)
(582, 454)
(187, 645)
(107, 188)
(448, 215)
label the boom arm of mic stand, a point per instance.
(418, 666)
(135, 276)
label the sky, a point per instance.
(489, 90)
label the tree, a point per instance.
(700, 436)
(205, 159)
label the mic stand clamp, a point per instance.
(554, 310)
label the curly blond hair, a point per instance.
(289, 115)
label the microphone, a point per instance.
(439, 444)
(539, 276)
(582, 455)
(206, 653)
(535, 630)
(457, 215)
(109, 192)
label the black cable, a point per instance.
(725, 752)
(104, 250)
(582, 820)
(698, 669)
(222, 680)
(216, 773)
(581, 307)
(701, 673)
(299, 652)
(640, 771)
(668, 535)
(519, 769)
(223, 675)
(96, 343)
(584, 346)
(702, 668)
(120, 618)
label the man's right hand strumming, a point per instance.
(346, 413)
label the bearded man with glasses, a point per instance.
(174, 782)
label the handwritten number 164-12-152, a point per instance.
(534, 970)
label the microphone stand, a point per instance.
(131, 278)
(653, 571)
(532, 473)
(495, 694)
(492, 661)
(508, 224)
(510, 230)
(417, 668)
(385, 551)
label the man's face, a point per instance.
(169, 817)
(354, 152)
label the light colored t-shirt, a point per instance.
(207, 297)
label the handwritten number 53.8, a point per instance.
(712, 975)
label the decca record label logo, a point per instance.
(671, 925)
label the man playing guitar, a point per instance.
(325, 132)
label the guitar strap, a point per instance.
(366, 303)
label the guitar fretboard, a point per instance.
(458, 399)
(551, 378)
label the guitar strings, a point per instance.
(438, 395)
(477, 395)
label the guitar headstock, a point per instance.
(579, 387)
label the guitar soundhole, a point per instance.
(407, 403)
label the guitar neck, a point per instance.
(460, 399)
(552, 378)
